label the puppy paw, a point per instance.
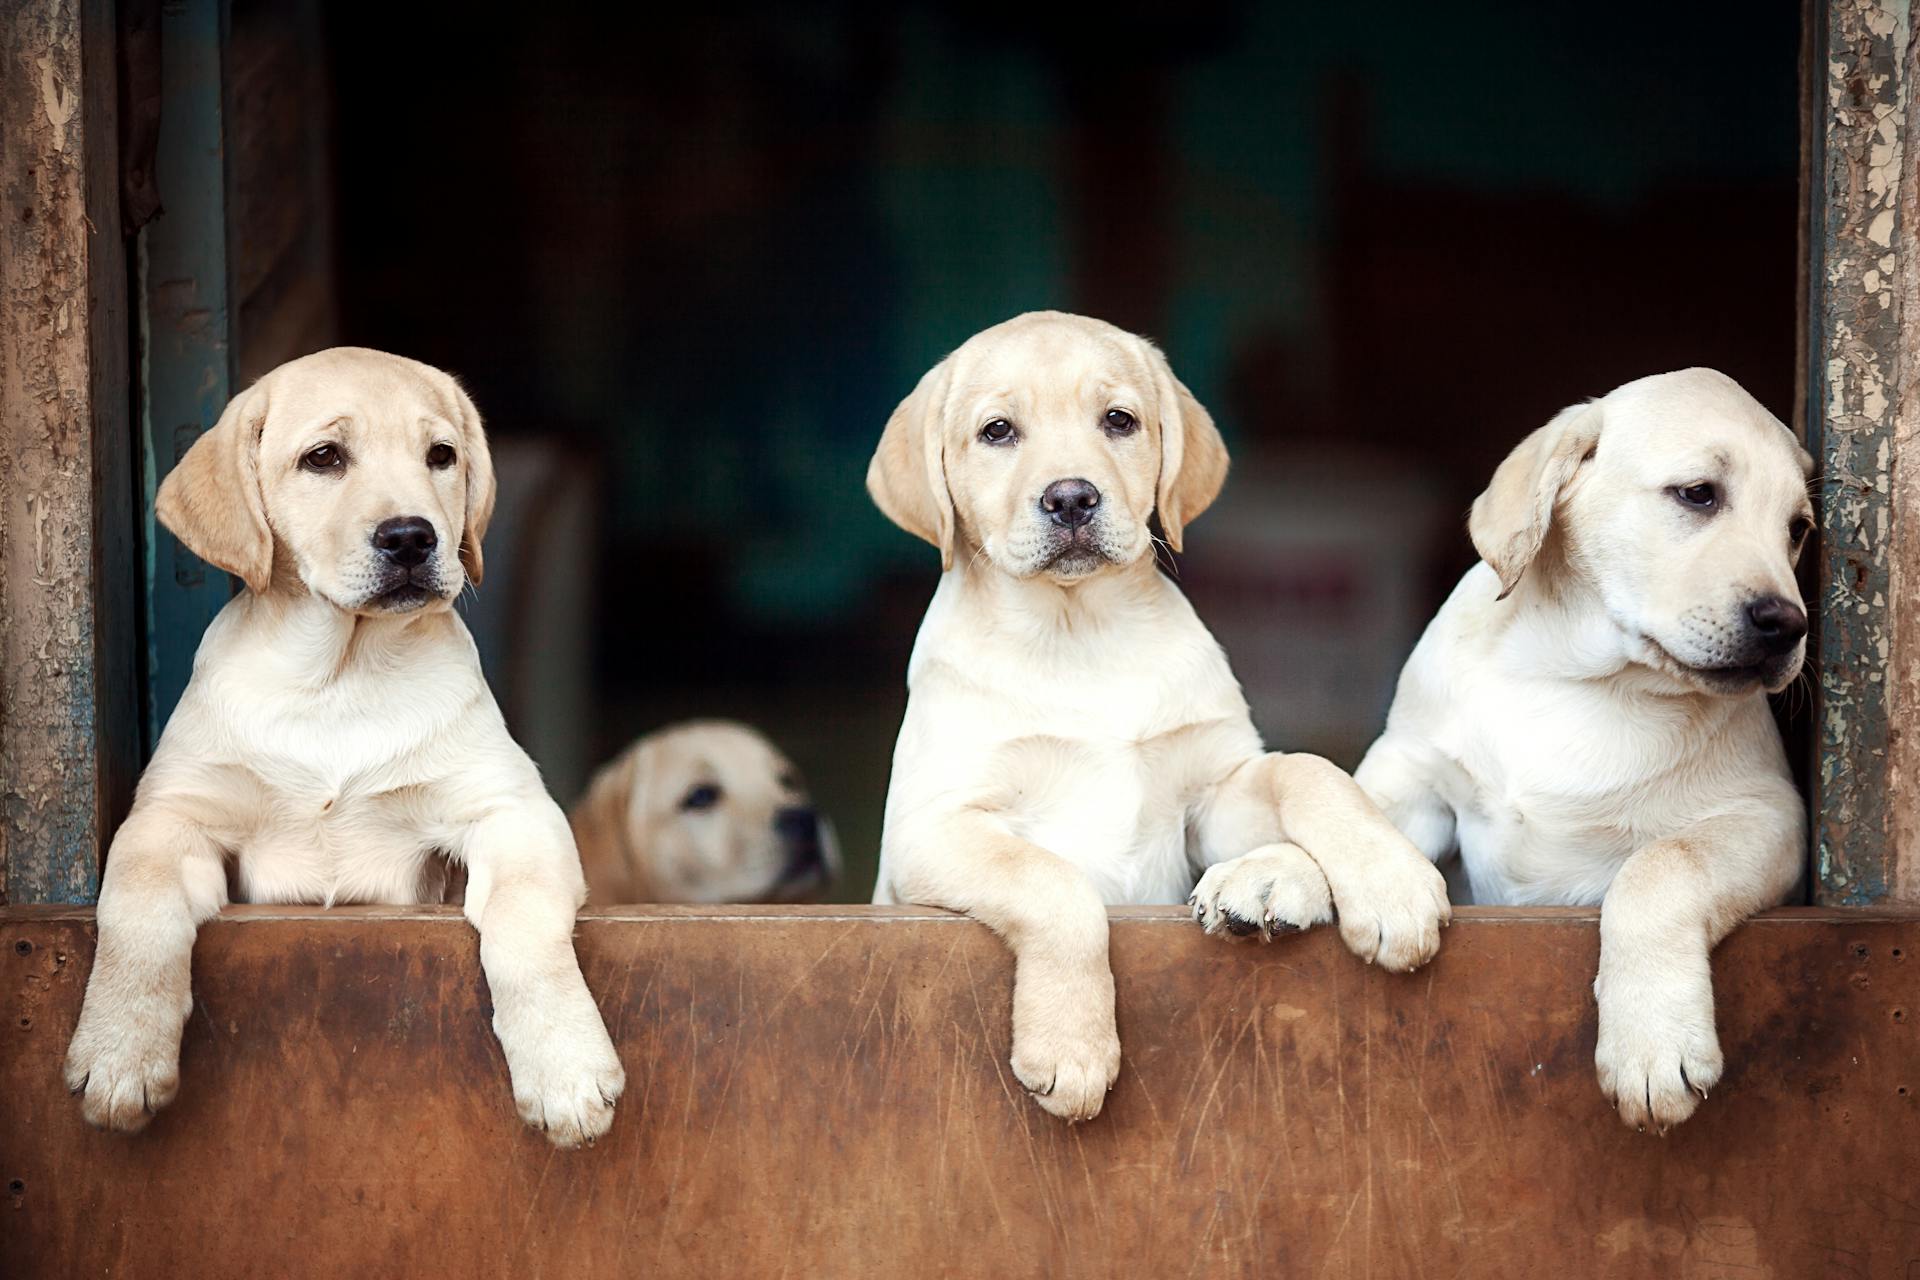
(1657, 1054)
(1392, 908)
(125, 1065)
(1066, 1048)
(566, 1075)
(1274, 889)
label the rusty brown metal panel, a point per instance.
(67, 639)
(825, 1093)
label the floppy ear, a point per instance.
(908, 474)
(1509, 522)
(600, 829)
(1193, 459)
(480, 488)
(212, 502)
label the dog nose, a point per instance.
(1071, 503)
(1779, 623)
(799, 830)
(405, 540)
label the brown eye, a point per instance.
(999, 431)
(1797, 531)
(325, 458)
(440, 457)
(1704, 497)
(1120, 422)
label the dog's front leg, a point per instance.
(1671, 902)
(1066, 1047)
(523, 888)
(1390, 900)
(164, 876)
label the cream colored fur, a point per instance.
(1580, 721)
(1073, 735)
(640, 841)
(337, 740)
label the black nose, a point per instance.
(1071, 503)
(1780, 624)
(799, 830)
(405, 540)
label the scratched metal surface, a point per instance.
(825, 1093)
(1860, 127)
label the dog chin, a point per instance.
(1069, 560)
(1726, 680)
(1075, 562)
(398, 599)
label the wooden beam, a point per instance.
(825, 1092)
(69, 746)
(1856, 246)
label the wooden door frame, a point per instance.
(69, 725)
(1862, 377)
(72, 506)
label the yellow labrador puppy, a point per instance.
(1073, 736)
(1586, 719)
(705, 811)
(337, 741)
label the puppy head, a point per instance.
(706, 811)
(1684, 503)
(1046, 444)
(362, 476)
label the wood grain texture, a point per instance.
(825, 1092)
(68, 747)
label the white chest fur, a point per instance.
(330, 756)
(1087, 731)
(1556, 775)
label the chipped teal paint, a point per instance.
(62, 864)
(185, 337)
(1857, 163)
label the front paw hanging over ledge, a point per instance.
(124, 1062)
(1066, 1046)
(1657, 1055)
(566, 1075)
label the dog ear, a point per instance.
(1509, 521)
(1193, 458)
(480, 487)
(908, 475)
(600, 829)
(212, 501)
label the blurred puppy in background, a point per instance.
(702, 811)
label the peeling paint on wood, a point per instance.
(66, 641)
(1856, 274)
